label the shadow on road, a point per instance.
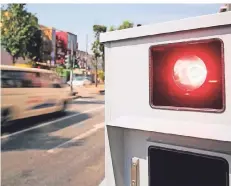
(33, 121)
(41, 138)
(38, 142)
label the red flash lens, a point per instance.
(189, 73)
(188, 76)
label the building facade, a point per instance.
(55, 46)
(72, 41)
(49, 45)
(65, 42)
(61, 46)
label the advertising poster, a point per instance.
(72, 38)
(53, 47)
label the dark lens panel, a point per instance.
(165, 93)
(178, 168)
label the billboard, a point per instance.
(47, 32)
(61, 49)
(48, 42)
(72, 39)
(63, 36)
(53, 41)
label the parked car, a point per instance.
(80, 81)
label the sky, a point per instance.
(80, 18)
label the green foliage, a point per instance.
(99, 29)
(97, 47)
(34, 46)
(31, 63)
(126, 24)
(59, 71)
(18, 28)
(101, 75)
(112, 28)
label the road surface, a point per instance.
(56, 150)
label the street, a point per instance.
(56, 150)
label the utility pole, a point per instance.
(87, 43)
(86, 53)
(96, 70)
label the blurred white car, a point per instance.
(80, 81)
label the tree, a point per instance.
(95, 60)
(18, 28)
(99, 29)
(126, 24)
(34, 46)
(101, 75)
(112, 28)
(98, 48)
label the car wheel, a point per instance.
(6, 117)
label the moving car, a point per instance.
(28, 92)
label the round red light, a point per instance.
(189, 73)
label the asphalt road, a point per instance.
(56, 150)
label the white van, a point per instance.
(28, 92)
